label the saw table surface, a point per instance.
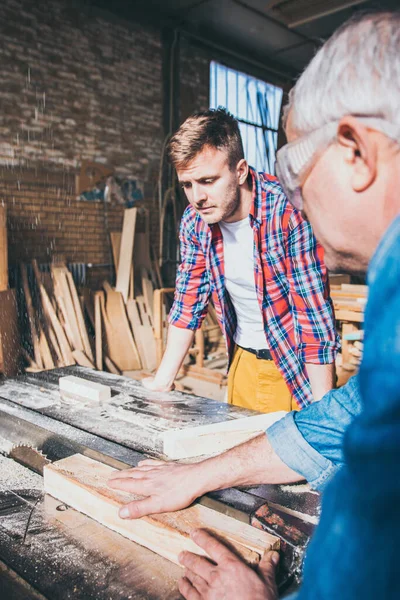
(67, 555)
(135, 416)
(64, 554)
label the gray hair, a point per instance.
(357, 72)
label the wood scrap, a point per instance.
(98, 334)
(79, 314)
(126, 251)
(143, 333)
(120, 343)
(52, 318)
(83, 388)
(215, 437)
(81, 483)
(82, 360)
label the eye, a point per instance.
(185, 185)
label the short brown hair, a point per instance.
(214, 127)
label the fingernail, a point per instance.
(181, 556)
(194, 534)
(275, 558)
(124, 513)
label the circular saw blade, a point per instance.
(29, 457)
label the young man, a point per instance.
(243, 244)
(342, 167)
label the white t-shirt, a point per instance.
(240, 284)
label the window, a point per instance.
(256, 105)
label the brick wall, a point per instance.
(73, 86)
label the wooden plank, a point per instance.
(45, 350)
(148, 292)
(64, 297)
(126, 252)
(79, 315)
(115, 239)
(204, 374)
(215, 437)
(121, 346)
(110, 366)
(82, 360)
(52, 318)
(83, 388)
(98, 331)
(10, 346)
(352, 287)
(3, 250)
(81, 483)
(349, 315)
(31, 316)
(143, 334)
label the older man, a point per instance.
(342, 168)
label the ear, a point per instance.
(360, 151)
(242, 171)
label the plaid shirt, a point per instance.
(290, 278)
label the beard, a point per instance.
(227, 209)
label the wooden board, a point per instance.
(52, 318)
(143, 334)
(215, 437)
(82, 360)
(80, 318)
(121, 346)
(83, 388)
(81, 483)
(98, 334)
(126, 251)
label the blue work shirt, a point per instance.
(356, 431)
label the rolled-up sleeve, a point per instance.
(192, 287)
(312, 307)
(311, 441)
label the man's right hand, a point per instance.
(151, 383)
(166, 486)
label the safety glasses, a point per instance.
(294, 161)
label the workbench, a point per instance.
(49, 550)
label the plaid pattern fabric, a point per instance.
(291, 283)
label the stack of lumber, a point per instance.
(349, 301)
(58, 331)
(126, 325)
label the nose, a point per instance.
(199, 193)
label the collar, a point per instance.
(256, 207)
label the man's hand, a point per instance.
(167, 487)
(152, 384)
(225, 576)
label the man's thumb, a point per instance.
(267, 566)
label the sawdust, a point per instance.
(14, 476)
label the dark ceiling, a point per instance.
(282, 34)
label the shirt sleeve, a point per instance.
(311, 441)
(312, 307)
(192, 287)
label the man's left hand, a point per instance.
(225, 576)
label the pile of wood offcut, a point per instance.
(120, 328)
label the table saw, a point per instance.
(48, 550)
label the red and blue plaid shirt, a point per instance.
(290, 278)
